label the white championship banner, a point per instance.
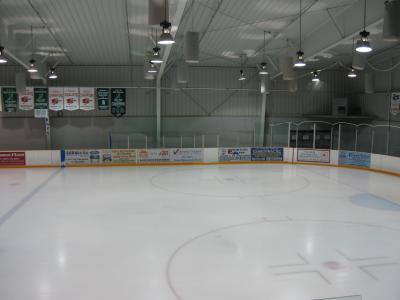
(86, 99)
(25, 99)
(71, 99)
(56, 98)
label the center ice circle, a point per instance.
(225, 182)
(288, 260)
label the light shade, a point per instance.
(166, 37)
(391, 25)
(53, 74)
(286, 67)
(363, 45)
(300, 60)
(352, 74)
(242, 77)
(146, 66)
(315, 77)
(192, 47)
(152, 68)
(32, 68)
(3, 59)
(156, 58)
(263, 69)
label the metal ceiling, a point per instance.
(104, 32)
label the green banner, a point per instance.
(118, 102)
(10, 99)
(103, 98)
(41, 96)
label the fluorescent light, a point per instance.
(53, 74)
(300, 60)
(315, 77)
(32, 68)
(352, 74)
(3, 59)
(166, 37)
(156, 59)
(263, 70)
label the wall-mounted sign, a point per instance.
(25, 99)
(10, 99)
(103, 98)
(41, 96)
(395, 104)
(118, 102)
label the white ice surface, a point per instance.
(248, 232)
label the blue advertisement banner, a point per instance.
(234, 154)
(266, 154)
(359, 159)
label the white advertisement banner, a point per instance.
(71, 99)
(186, 155)
(82, 157)
(153, 155)
(395, 104)
(56, 98)
(234, 154)
(25, 99)
(86, 98)
(309, 155)
(118, 156)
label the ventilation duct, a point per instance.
(182, 72)
(391, 24)
(286, 66)
(191, 47)
(359, 61)
(293, 86)
(369, 83)
(20, 82)
(157, 11)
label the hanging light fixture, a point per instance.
(166, 37)
(263, 65)
(32, 68)
(352, 74)
(152, 68)
(53, 74)
(300, 54)
(242, 77)
(3, 59)
(315, 76)
(363, 44)
(156, 57)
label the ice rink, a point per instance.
(237, 232)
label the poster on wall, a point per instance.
(153, 155)
(71, 99)
(234, 154)
(118, 156)
(186, 155)
(118, 102)
(10, 99)
(395, 104)
(310, 155)
(8, 158)
(41, 98)
(25, 99)
(86, 99)
(266, 154)
(81, 157)
(56, 98)
(359, 159)
(103, 98)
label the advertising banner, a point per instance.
(77, 157)
(86, 98)
(186, 155)
(12, 158)
(103, 98)
(25, 99)
(395, 104)
(118, 102)
(10, 99)
(234, 154)
(153, 155)
(359, 159)
(56, 98)
(118, 156)
(266, 154)
(41, 98)
(71, 99)
(310, 155)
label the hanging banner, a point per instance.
(56, 98)
(103, 98)
(86, 99)
(153, 155)
(234, 154)
(359, 159)
(310, 155)
(41, 97)
(8, 158)
(186, 155)
(25, 99)
(118, 102)
(10, 99)
(266, 154)
(395, 104)
(71, 99)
